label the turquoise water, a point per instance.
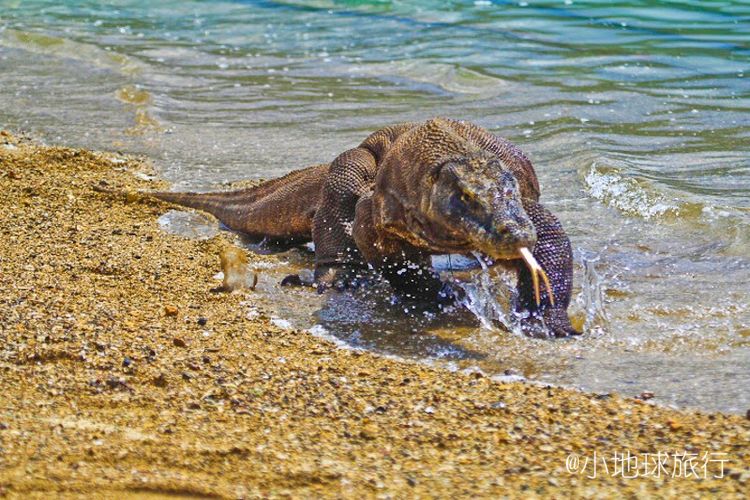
(635, 113)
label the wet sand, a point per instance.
(123, 374)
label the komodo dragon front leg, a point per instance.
(337, 258)
(407, 269)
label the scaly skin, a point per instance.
(407, 192)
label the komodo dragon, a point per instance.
(407, 192)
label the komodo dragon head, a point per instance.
(474, 205)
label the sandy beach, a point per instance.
(123, 373)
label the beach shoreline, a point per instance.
(122, 372)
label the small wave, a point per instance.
(132, 95)
(62, 47)
(446, 77)
(141, 100)
(627, 194)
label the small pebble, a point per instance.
(115, 383)
(674, 425)
(369, 432)
(160, 380)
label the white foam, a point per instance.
(626, 194)
(282, 323)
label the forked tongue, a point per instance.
(536, 270)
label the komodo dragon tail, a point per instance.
(281, 208)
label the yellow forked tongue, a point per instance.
(536, 270)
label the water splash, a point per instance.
(627, 194)
(591, 298)
(483, 298)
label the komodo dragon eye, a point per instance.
(470, 203)
(461, 203)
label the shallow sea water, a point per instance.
(636, 115)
